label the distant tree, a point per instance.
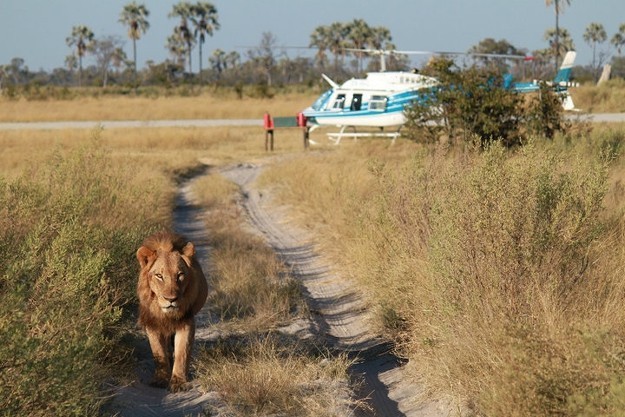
(595, 34)
(558, 8)
(381, 40)
(492, 46)
(204, 19)
(359, 36)
(134, 16)
(82, 39)
(559, 42)
(232, 59)
(177, 48)
(618, 66)
(108, 52)
(618, 40)
(71, 63)
(184, 11)
(17, 70)
(337, 42)
(217, 60)
(320, 39)
(264, 57)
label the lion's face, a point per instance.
(170, 282)
(168, 278)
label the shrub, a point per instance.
(473, 105)
(66, 269)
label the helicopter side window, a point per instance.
(356, 102)
(339, 102)
(378, 103)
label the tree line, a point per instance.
(342, 49)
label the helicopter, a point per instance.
(379, 99)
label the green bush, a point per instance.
(66, 269)
(473, 105)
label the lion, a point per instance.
(171, 289)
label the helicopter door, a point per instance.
(356, 102)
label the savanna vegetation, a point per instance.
(75, 206)
(497, 271)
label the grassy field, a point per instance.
(202, 105)
(498, 273)
(97, 105)
(74, 208)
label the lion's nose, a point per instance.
(171, 298)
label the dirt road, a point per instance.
(340, 311)
(141, 400)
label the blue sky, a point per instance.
(35, 30)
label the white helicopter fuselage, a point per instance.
(376, 101)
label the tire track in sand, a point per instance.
(340, 311)
(140, 399)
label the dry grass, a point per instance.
(75, 205)
(205, 106)
(169, 150)
(606, 98)
(271, 375)
(265, 372)
(500, 274)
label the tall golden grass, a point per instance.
(267, 371)
(500, 274)
(114, 107)
(606, 98)
(74, 206)
(68, 226)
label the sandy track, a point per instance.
(141, 400)
(340, 311)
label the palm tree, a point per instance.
(82, 38)
(218, 60)
(618, 40)
(204, 18)
(320, 40)
(177, 48)
(595, 34)
(563, 39)
(359, 35)
(135, 17)
(183, 10)
(337, 33)
(559, 7)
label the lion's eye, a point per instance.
(180, 276)
(159, 276)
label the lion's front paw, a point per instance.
(177, 384)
